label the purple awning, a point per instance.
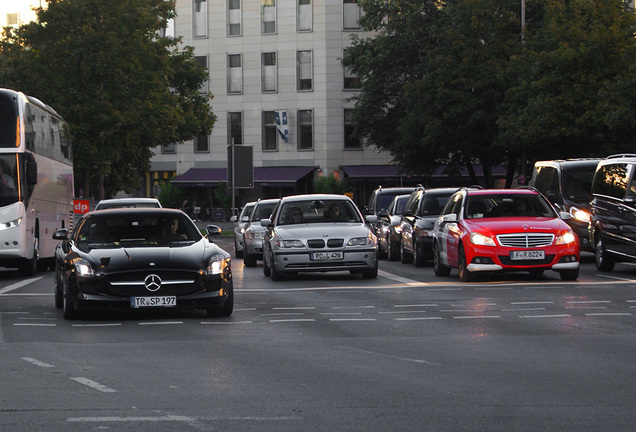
(275, 176)
(369, 171)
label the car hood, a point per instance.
(190, 256)
(496, 226)
(345, 230)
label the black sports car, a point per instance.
(141, 258)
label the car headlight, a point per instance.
(83, 268)
(11, 224)
(218, 264)
(566, 238)
(369, 240)
(481, 240)
(286, 244)
(580, 215)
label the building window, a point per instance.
(304, 16)
(305, 130)
(200, 18)
(168, 30)
(234, 128)
(268, 16)
(270, 142)
(201, 144)
(234, 74)
(234, 17)
(169, 148)
(268, 72)
(304, 70)
(12, 19)
(203, 62)
(350, 15)
(351, 141)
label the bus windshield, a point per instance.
(8, 180)
(8, 121)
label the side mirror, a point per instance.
(371, 219)
(383, 213)
(448, 218)
(213, 230)
(565, 215)
(61, 234)
(408, 213)
(266, 222)
(234, 218)
(395, 220)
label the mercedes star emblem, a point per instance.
(152, 282)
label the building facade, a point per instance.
(269, 61)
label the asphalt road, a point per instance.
(405, 352)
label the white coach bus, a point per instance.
(36, 181)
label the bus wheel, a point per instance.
(29, 266)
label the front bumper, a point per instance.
(300, 261)
(483, 258)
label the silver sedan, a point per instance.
(318, 233)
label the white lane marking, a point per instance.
(523, 310)
(226, 323)
(476, 316)
(397, 278)
(34, 325)
(37, 362)
(418, 318)
(283, 314)
(402, 312)
(293, 320)
(161, 323)
(351, 319)
(19, 284)
(295, 308)
(415, 305)
(406, 359)
(588, 301)
(93, 384)
(97, 325)
(546, 316)
(608, 314)
(172, 418)
(353, 307)
(349, 313)
(613, 277)
(532, 303)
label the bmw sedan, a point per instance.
(141, 259)
(503, 230)
(318, 233)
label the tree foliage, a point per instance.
(122, 88)
(451, 82)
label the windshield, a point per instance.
(8, 121)
(432, 205)
(140, 228)
(263, 211)
(399, 205)
(578, 183)
(507, 205)
(8, 179)
(318, 211)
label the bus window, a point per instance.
(8, 180)
(8, 121)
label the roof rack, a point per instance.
(621, 155)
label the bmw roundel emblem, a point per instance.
(152, 282)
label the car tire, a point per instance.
(418, 257)
(464, 274)
(237, 253)
(439, 268)
(371, 274)
(249, 260)
(405, 257)
(604, 261)
(393, 251)
(569, 275)
(69, 307)
(225, 310)
(59, 294)
(266, 270)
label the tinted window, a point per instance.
(611, 180)
(578, 182)
(547, 180)
(263, 211)
(8, 120)
(507, 205)
(432, 205)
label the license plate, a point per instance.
(154, 301)
(527, 255)
(326, 256)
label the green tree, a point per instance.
(331, 185)
(122, 88)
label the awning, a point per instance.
(265, 176)
(370, 171)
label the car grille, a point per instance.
(172, 283)
(528, 240)
(319, 243)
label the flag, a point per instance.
(281, 124)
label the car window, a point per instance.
(432, 205)
(578, 183)
(141, 228)
(399, 206)
(507, 205)
(611, 180)
(318, 211)
(263, 211)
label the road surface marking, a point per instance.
(37, 362)
(19, 284)
(93, 384)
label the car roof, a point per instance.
(395, 189)
(450, 190)
(568, 163)
(473, 192)
(268, 201)
(128, 201)
(305, 197)
(137, 210)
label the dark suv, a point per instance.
(612, 228)
(380, 200)
(417, 222)
(566, 184)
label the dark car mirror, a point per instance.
(395, 220)
(213, 230)
(383, 213)
(61, 234)
(408, 213)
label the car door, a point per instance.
(446, 228)
(626, 212)
(408, 220)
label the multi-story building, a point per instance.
(264, 57)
